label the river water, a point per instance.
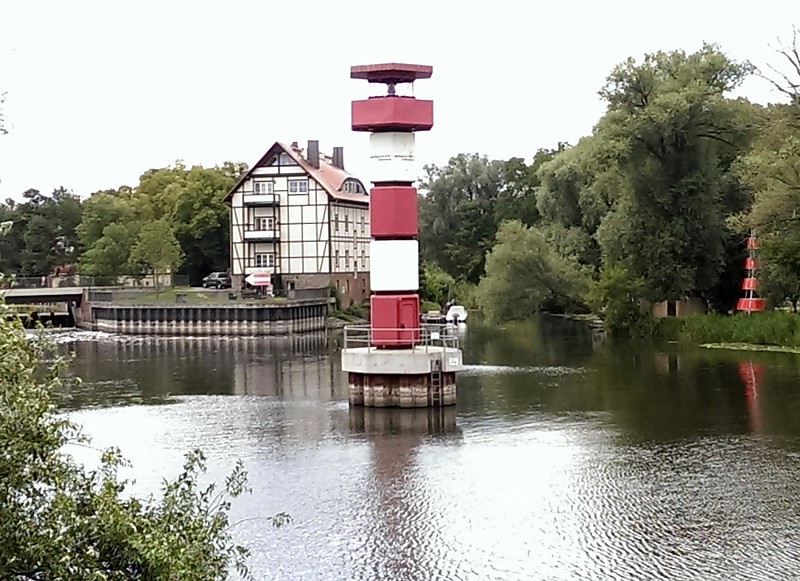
(566, 457)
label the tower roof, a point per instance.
(391, 73)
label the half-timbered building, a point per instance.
(298, 215)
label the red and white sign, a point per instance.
(259, 279)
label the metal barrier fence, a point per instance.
(165, 281)
(425, 336)
(197, 296)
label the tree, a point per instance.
(104, 208)
(156, 250)
(771, 171)
(43, 232)
(110, 255)
(457, 220)
(435, 284)
(789, 84)
(58, 521)
(617, 297)
(517, 197)
(202, 220)
(673, 128)
(524, 276)
(191, 199)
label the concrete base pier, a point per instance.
(415, 377)
(402, 391)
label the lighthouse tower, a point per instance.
(396, 362)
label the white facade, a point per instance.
(302, 222)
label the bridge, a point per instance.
(27, 296)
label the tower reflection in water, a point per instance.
(403, 538)
(751, 374)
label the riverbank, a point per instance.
(750, 347)
(764, 331)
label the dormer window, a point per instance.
(352, 187)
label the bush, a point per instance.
(616, 297)
(58, 521)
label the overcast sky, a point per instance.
(98, 92)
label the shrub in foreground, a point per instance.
(60, 521)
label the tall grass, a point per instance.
(779, 328)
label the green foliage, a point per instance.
(191, 199)
(617, 297)
(110, 255)
(457, 223)
(426, 306)
(656, 187)
(524, 276)
(436, 285)
(102, 231)
(43, 233)
(58, 521)
(675, 130)
(771, 169)
(156, 249)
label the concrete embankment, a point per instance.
(251, 319)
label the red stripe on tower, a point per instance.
(392, 121)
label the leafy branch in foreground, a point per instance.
(60, 521)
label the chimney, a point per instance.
(338, 157)
(312, 154)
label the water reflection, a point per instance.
(565, 458)
(117, 370)
(751, 374)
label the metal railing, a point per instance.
(201, 297)
(425, 336)
(78, 280)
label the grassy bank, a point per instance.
(187, 296)
(775, 329)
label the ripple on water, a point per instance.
(470, 370)
(530, 496)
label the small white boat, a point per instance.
(456, 315)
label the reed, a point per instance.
(779, 328)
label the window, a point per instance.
(265, 224)
(285, 159)
(351, 187)
(363, 224)
(346, 223)
(298, 186)
(336, 222)
(264, 260)
(336, 260)
(347, 259)
(363, 259)
(263, 187)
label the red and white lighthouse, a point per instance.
(392, 121)
(400, 364)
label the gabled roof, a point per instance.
(328, 176)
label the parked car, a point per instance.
(217, 280)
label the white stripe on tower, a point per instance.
(394, 263)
